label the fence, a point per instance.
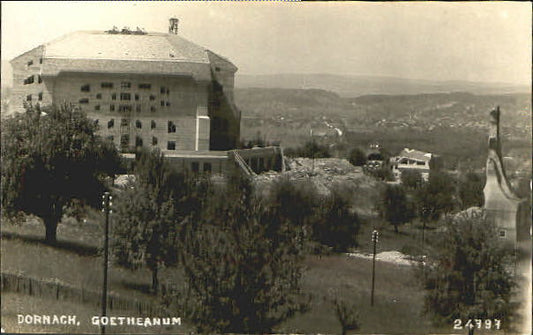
(61, 291)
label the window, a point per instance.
(97, 107)
(138, 141)
(29, 80)
(138, 108)
(124, 108)
(39, 79)
(28, 97)
(145, 86)
(195, 166)
(114, 96)
(86, 88)
(138, 124)
(171, 127)
(83, 101)
(152, 97)
(162, 103)
(168, 91)
(125, 140)
(125, 96)
(124, 123)
(99, 96)
(30, 63)
(168, 103)
(171, 145)
(217, 69)
(111, 138)
(136, 97)
(107, 85)
(207, 167)
(125, 84)
(154, 140)
(40, 60)
(110, 123)
(163, 90)
(502, 233)
(111, 108)
(152, 124)
(152, 109)
(40, 96)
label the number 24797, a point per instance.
(477, 323)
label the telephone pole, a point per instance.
(106, 208)
(375, 235)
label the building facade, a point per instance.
(143, 89)
(414, 160)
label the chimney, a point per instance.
(173, 25)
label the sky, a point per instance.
(474, 41)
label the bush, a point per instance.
(357, 157)
(311, 149)
(411, 179)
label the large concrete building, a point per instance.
(144, 89)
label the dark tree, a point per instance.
(50, 157)
(336, 225)
(357, 157)
(411, 179)
(396, 208)
(242, 265)
(471, 190)
(312, 149)
(435, 197)
(469, 276)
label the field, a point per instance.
(398, 298)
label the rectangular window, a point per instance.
(195, 167)
(86, 88)
(114, 96)
(207, 167)
(136, 97)
(111, 108)
(171, 127)
(138, 141)
(29, 80)
(154, 140)
(124, 108)
(39, 79)
(83, 101)
(145, 86)
(138, 124)
(171, 145)
(502, 233)
(125, 140)
(30, 63)
(110, 123)
(107, 85)
(40, 96)
(125, 96)
(124, 123)
(152, 124)
(125, 84)
(152, 109)
(99, 96)
(152, 97)
(40, 60)
(97, 107)
(168, 103)
(163, 90)
(28, 97)
(162, 103)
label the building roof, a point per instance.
(99, 51)
(415, 154)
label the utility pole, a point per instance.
(106, 208)
(375, 235)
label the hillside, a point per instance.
(353, 86)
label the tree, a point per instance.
(467, 277)
(336, 225)
(471, 190)
(357, 157)
(312, 149)
(396, 208)
(242, 265)
(51, 156)
(149, 213)
(411, 179)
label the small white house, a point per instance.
(414, 160)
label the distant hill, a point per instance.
(353, 86)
